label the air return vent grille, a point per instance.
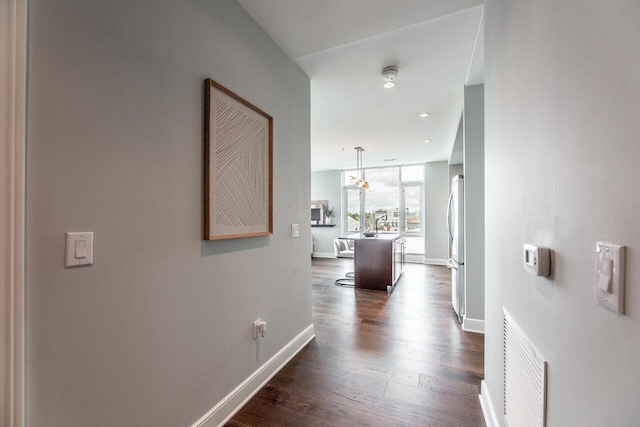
(525, 373)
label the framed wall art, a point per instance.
(238, 166)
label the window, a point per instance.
(381, 199)
(352, 213)
(393, 203)
(413, 173)
(346, 176)
(413, 224)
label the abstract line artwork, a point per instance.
(238, 166)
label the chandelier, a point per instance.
(358, 180)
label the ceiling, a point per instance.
(342, 47)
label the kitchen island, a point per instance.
(378, 261)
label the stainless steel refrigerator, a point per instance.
(455, 223)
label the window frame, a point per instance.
(400, 202)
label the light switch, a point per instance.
(295, 230)
(79, 249)
(605, 270)
(610, 275)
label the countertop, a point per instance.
(380, 236)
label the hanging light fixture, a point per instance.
(358, 180)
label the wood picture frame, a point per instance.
(238, 166)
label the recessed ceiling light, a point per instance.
(429, 156)
(427, 140)
(423, 115)
(389, 160)
(388, 85)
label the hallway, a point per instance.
(378, 359)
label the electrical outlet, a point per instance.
(263, 327)
(259, 328)
(256, 329)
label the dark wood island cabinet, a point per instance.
(378, 260)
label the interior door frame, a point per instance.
(13, 202)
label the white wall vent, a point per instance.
(525, 378)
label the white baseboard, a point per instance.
(473, 325)
(489, 413)
(435, 261)
(234, 401)
(323, 255)
(414, 258)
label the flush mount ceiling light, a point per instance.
(357, 180)
(389, 75)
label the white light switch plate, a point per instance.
(610, 275)
(79, 249)
(295, 230)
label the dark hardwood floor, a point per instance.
(378, 359)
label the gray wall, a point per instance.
(327, 185)
(562, 171)
(159, 329)
(436, 188)
(455, 170)
(456, 156)
(473, 152)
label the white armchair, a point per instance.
(343, 248)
